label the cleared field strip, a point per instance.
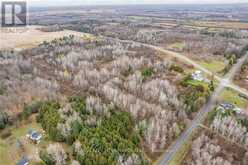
(30, 37)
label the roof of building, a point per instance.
(34, 135)
(197, 75)
(227, 106)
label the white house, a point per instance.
(197, 75)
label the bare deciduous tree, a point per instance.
(58, 154)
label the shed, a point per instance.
(34, 136)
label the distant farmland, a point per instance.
(30, 37)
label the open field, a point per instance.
(225, 25)
(213, 65)
(179, 46)
(30, 37)
(228, 95)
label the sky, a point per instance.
(121, 2)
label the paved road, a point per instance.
(227, 81)
(224, 82)
(184, 58)
(238, 89)
(179, 56)
(171, 151)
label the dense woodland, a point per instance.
(106, 100)
(98, 133)
(125, 93)
(117, 82)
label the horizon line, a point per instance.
(138, 4)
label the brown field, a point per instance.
(226, 25)
(30, 37)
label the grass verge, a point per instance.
(214, 66)
(229, 95)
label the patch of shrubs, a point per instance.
(211, 115)
(184, 82)
(146, 73)
(4, 120)
(31, 109)
(243, 122)
(176, 68)
(5, 134)
(2, 89)
(78, 104)
(49, 119)
(244, 66)
(195, 95)
(46, 158)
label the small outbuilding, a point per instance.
(34, 136)
(227, 106)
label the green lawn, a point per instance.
(228, 95)
(177, 46)
(214, 66)
(22, 131)
(195, 83)
(9, 152)
(138, 17)
(4, 156)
